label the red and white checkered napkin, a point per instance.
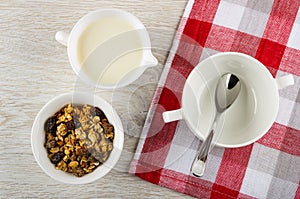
(270, 168)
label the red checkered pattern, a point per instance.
(269, 168)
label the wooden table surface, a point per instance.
(35, 68)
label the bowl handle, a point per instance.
(284, 81)
(62, 37)
(170, 116)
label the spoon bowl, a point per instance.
(227, 90)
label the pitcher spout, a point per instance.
(149, 60)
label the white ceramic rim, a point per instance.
(262, 69)
(147, 60)
(41, 156)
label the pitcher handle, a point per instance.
(284, 81)
(62, 37)
(170, 116)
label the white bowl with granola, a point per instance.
(77, 138)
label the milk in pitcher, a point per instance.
(109, 49)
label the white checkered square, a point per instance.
(213, 164)
(253, 22)
(298, 16)
(229, 15)
(181, 158)
(287, 168)
(262, 6)
(280, 189)
(183, 150)
(288, 113)
(256, 183)
(294, 39)
(239, 2)
(207, 52)
(178, 158)
(263, 159)
(184, 136)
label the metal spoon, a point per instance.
(227, 90)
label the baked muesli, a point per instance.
(79, 138)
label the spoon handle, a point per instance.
(198, 165)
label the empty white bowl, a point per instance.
(249, 117)
(38, 137)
